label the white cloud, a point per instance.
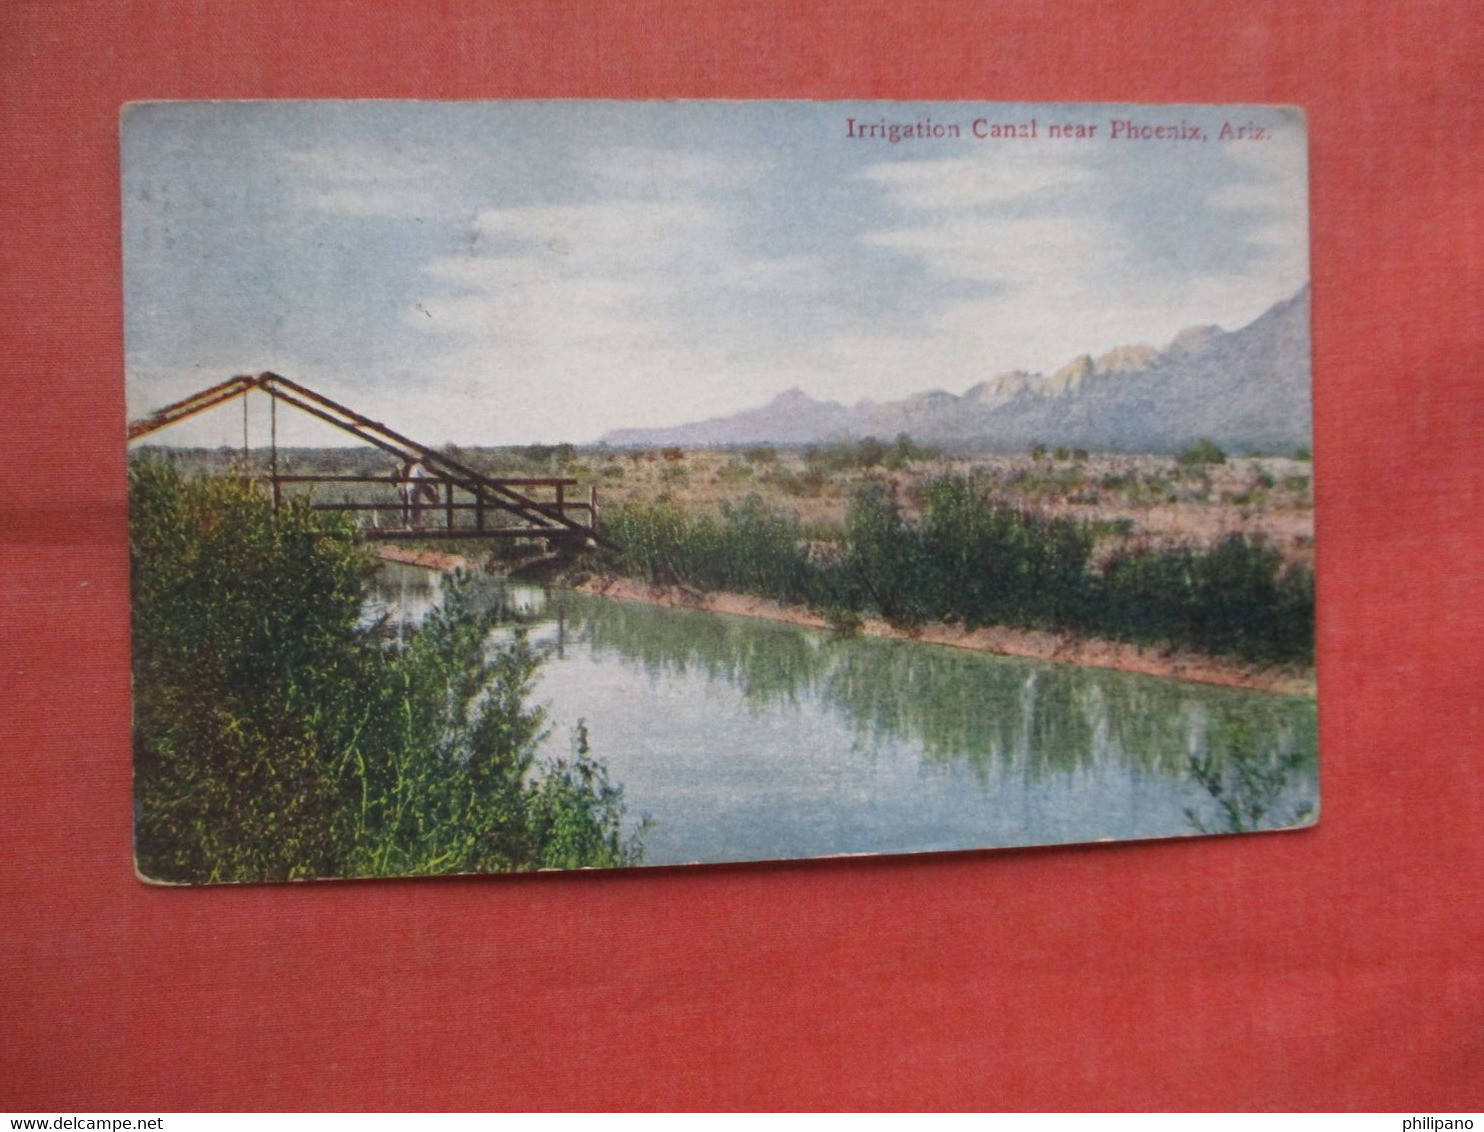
(649, 169)
(975, 182)
(370, 179)
(1035, 252)
(611, 298)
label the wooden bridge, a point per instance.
(432, 485)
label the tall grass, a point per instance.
(972, 561)
(276, 738)
(747, 549)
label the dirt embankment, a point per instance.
(428, 559)
(1061, 648)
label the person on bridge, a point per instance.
(415, 486)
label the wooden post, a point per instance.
(561, 498)
(479, 510)
(273, 448)
(448, 502)
(592, 507)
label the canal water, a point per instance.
(742, 739)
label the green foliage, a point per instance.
(1201, 452)
(997, 565)
(733, 472)
(972, 561)
(966, 561)
(761, 454)
(806, 484)
(1235, 598)
(1248, 783)
(747, 548)
(886, 558)
(905, 451)
(859, 455)
(277, 738)
(545, 457)
(575, 814)
(843, 622)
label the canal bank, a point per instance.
(1026, 644)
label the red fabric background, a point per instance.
(1339, 967)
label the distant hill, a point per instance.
(1246, 389)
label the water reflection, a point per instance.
(1252, 782)
(748, 739)
(400, 597)
(995, 713)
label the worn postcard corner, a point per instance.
(553, 485)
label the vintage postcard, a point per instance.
(527, 485)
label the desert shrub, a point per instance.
(761, 454)
(905, 451)
(1201, 452)
(806, 484)
(734, 472)
(850, 456)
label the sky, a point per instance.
(536, 272)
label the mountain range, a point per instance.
(1246, 389)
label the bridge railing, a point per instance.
(457, 508)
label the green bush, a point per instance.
(849, 456)
(1235, 598)
(905, 451)
(976, 562)
(733, 472)
(761, 454)
(886, 559)
(748, 548)
(989, 564)
(1201, 452)
(277, 738)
